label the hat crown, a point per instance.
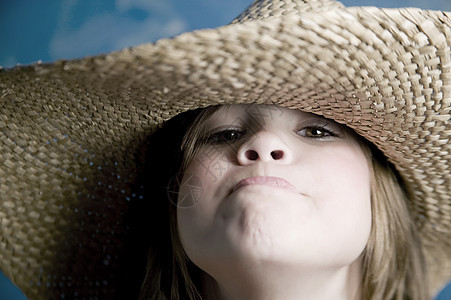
(263, 9)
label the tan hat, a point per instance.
(72, 132)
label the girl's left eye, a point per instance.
(316, 132)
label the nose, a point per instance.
(266, 147)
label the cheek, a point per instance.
(193, 222)
(343, 200)
(202, 177)
(198, 201)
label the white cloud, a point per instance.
(114, 30)
(150, 30)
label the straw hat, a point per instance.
(71, 132)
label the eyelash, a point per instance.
(225, 136)
(323, 132)
(231, 135)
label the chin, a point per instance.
(259, 243)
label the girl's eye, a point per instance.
(226, 136)
(316, 132)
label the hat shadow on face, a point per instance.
(147, 219)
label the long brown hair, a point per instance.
(393, 263)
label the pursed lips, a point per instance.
(265, 180)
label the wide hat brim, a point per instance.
(71, 131)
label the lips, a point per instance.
(266, 180)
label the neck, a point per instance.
(340, 283)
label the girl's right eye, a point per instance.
(225, 136)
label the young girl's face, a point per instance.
(274, 186)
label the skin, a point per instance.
(282, 206)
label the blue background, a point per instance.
(49, 30)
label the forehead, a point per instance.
(255, 112)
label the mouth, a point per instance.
(265, 180)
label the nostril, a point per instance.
(251, 155)
(277, 154)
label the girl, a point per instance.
(280, 204)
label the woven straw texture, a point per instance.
(71, 131)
